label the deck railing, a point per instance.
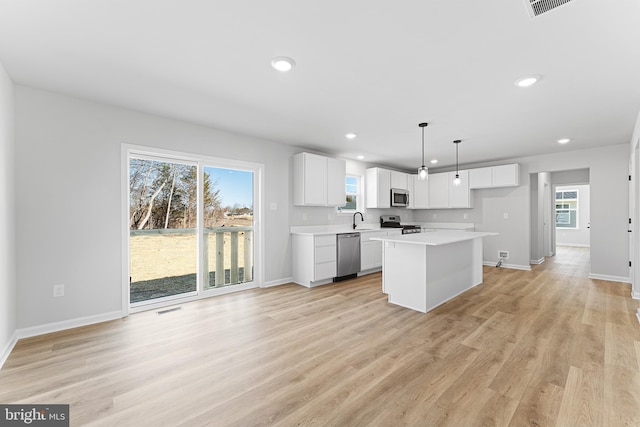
(240, 239)
(232, 256)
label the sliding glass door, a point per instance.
(191, 227)
(163, 219)
(228, 226)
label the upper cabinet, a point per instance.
(444, 194)
(418, 193)
(336, 175)
(378, 188)
(399, 180)
(438, 190)
(495, 176)
(506, 175)
(459, 195)
(318, 180)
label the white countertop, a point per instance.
(319, 230)
(468, 226)
(435, 238)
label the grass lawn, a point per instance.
(166, 264)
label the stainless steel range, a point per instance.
(393, 221)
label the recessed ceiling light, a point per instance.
(434, 161)
(350, 135)
(563, 140)
(528, 81)
(360, 157)
(283, 63)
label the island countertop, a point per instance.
(435, 238)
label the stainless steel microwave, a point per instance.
(399, 197)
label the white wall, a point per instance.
(68, 201)
(576, 236)
(608, 168)
(7, 217)
(68, 198)
(540, 184)
(634, 213)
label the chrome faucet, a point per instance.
(354, 219)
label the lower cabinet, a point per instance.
(314, 259)
(371, 250)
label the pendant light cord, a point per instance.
(423, 146)
(457, 143)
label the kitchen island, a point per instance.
(422, 271)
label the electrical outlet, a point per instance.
(506, 215)
(503, 254)
(465, 216)
(58, 290)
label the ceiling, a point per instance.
(376, 68)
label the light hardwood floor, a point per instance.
(542, 348)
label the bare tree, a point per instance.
(173, 186)
(150, 209)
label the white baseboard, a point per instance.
(638, 315)
(609, 278)
(511, 266)
(278, 282)
(68, 324)
(370, 271)
(635, 295)
(6, 351)
(574, 245)
(537, 261)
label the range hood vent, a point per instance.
(538, 7)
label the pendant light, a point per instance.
(423, 171)
(456, 180)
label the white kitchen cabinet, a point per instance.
(318, 180)
(439, 190)
(495, 176)
(336, 175)
(418, 193)
(459, 195)
(480, 178)
(506, 175)
(443, 194)
(378, 188)
(399, 180)
(314, 259)
(371, 250)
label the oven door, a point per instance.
(399, 197)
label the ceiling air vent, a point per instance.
(538, 7)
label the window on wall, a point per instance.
(353, 199)
(567, 209)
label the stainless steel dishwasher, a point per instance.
(348, 247)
